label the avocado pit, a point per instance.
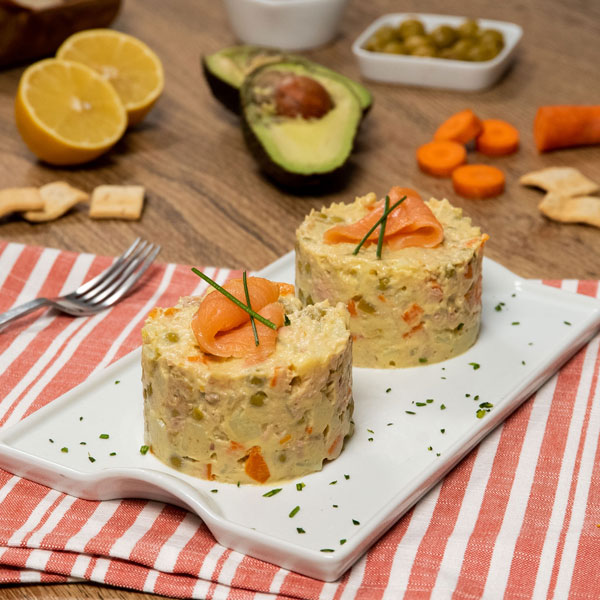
(301, 96)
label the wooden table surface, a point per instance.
(208, 204)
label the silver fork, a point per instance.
(98, 293)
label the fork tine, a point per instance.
(127, 279)
(88, 285)
(133, 258)
(139, 251)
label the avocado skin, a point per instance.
(229, 95)
(226, 94)
(287, 178)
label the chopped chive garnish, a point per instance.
(286, 320)
(566, 323)
(420, 404)
(467, 395)
(476, 397)
(272, 492)
(370, 431)
(498, 307)
(370, 439)
(377, 224)
(523, 362)
(51, 440)
(327, 550)
(144, 449)
(300, 530)
(300, 486)
(422, 360)
(389, 424)
(214, 491)
(81, 418)
(91, 458)
(460, 326)
(443, 430)
(82, 443)
(333, 482)
(474, 365)
(335, 506)
(294, 512)
(247, 294)
(382, 227)
(231, 297)
(486, 405)
(430, 448)
(104, 436)
(388, 390)
(113, 454)
(429, 400)
(343, 541)
(64, 449)
(355, 522)
(515, 323)
(238, 483)
(410, 412)
(442, 407)
(437, 454)
(346, 476)
(480, 413)
(117, 382)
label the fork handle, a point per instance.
(23, 309)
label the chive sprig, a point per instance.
(382, 221)
(231, 297)
(245, 280)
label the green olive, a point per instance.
(492, 36)
(468, 29)
(460, 49)
(384, 35)
(395, 47)
(424, 50)
(480, 53)
(446, 53)
(411, 27)
(414, 41)
(444, 36)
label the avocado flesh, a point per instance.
(226, 69)
(293, 150)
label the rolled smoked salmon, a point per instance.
(223, 329)
(410, 224)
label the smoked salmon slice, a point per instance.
(223, 329)
(410, 224)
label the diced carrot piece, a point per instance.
(412, 313)
(235, 445)
(334, 445)
(414, 330)
(352, 308)
(285, 438)
(256, 468)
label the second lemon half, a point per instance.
(127, 63)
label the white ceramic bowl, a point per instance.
(435, 72)
(285, 24)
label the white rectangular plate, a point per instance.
(393, 458)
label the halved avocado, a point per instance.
(226, 69)
(299, 121)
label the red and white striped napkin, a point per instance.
(518, 518)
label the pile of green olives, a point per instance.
(465, 42)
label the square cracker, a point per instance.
(117, 202)
(19, 200)
(59, 197)
(565, 181)
(578, 209)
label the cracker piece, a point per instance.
(565, 181)
(19, 200)
(578, 209)
(117, 202)
(59, 197)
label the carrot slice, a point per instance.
(497, 138)
(255, 466)
(565, 126)
(478, 181)
(461, 127)
(441, 157)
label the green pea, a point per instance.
(172, 336)
(197, 414)
(258, 399)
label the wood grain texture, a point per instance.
(208, 204)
